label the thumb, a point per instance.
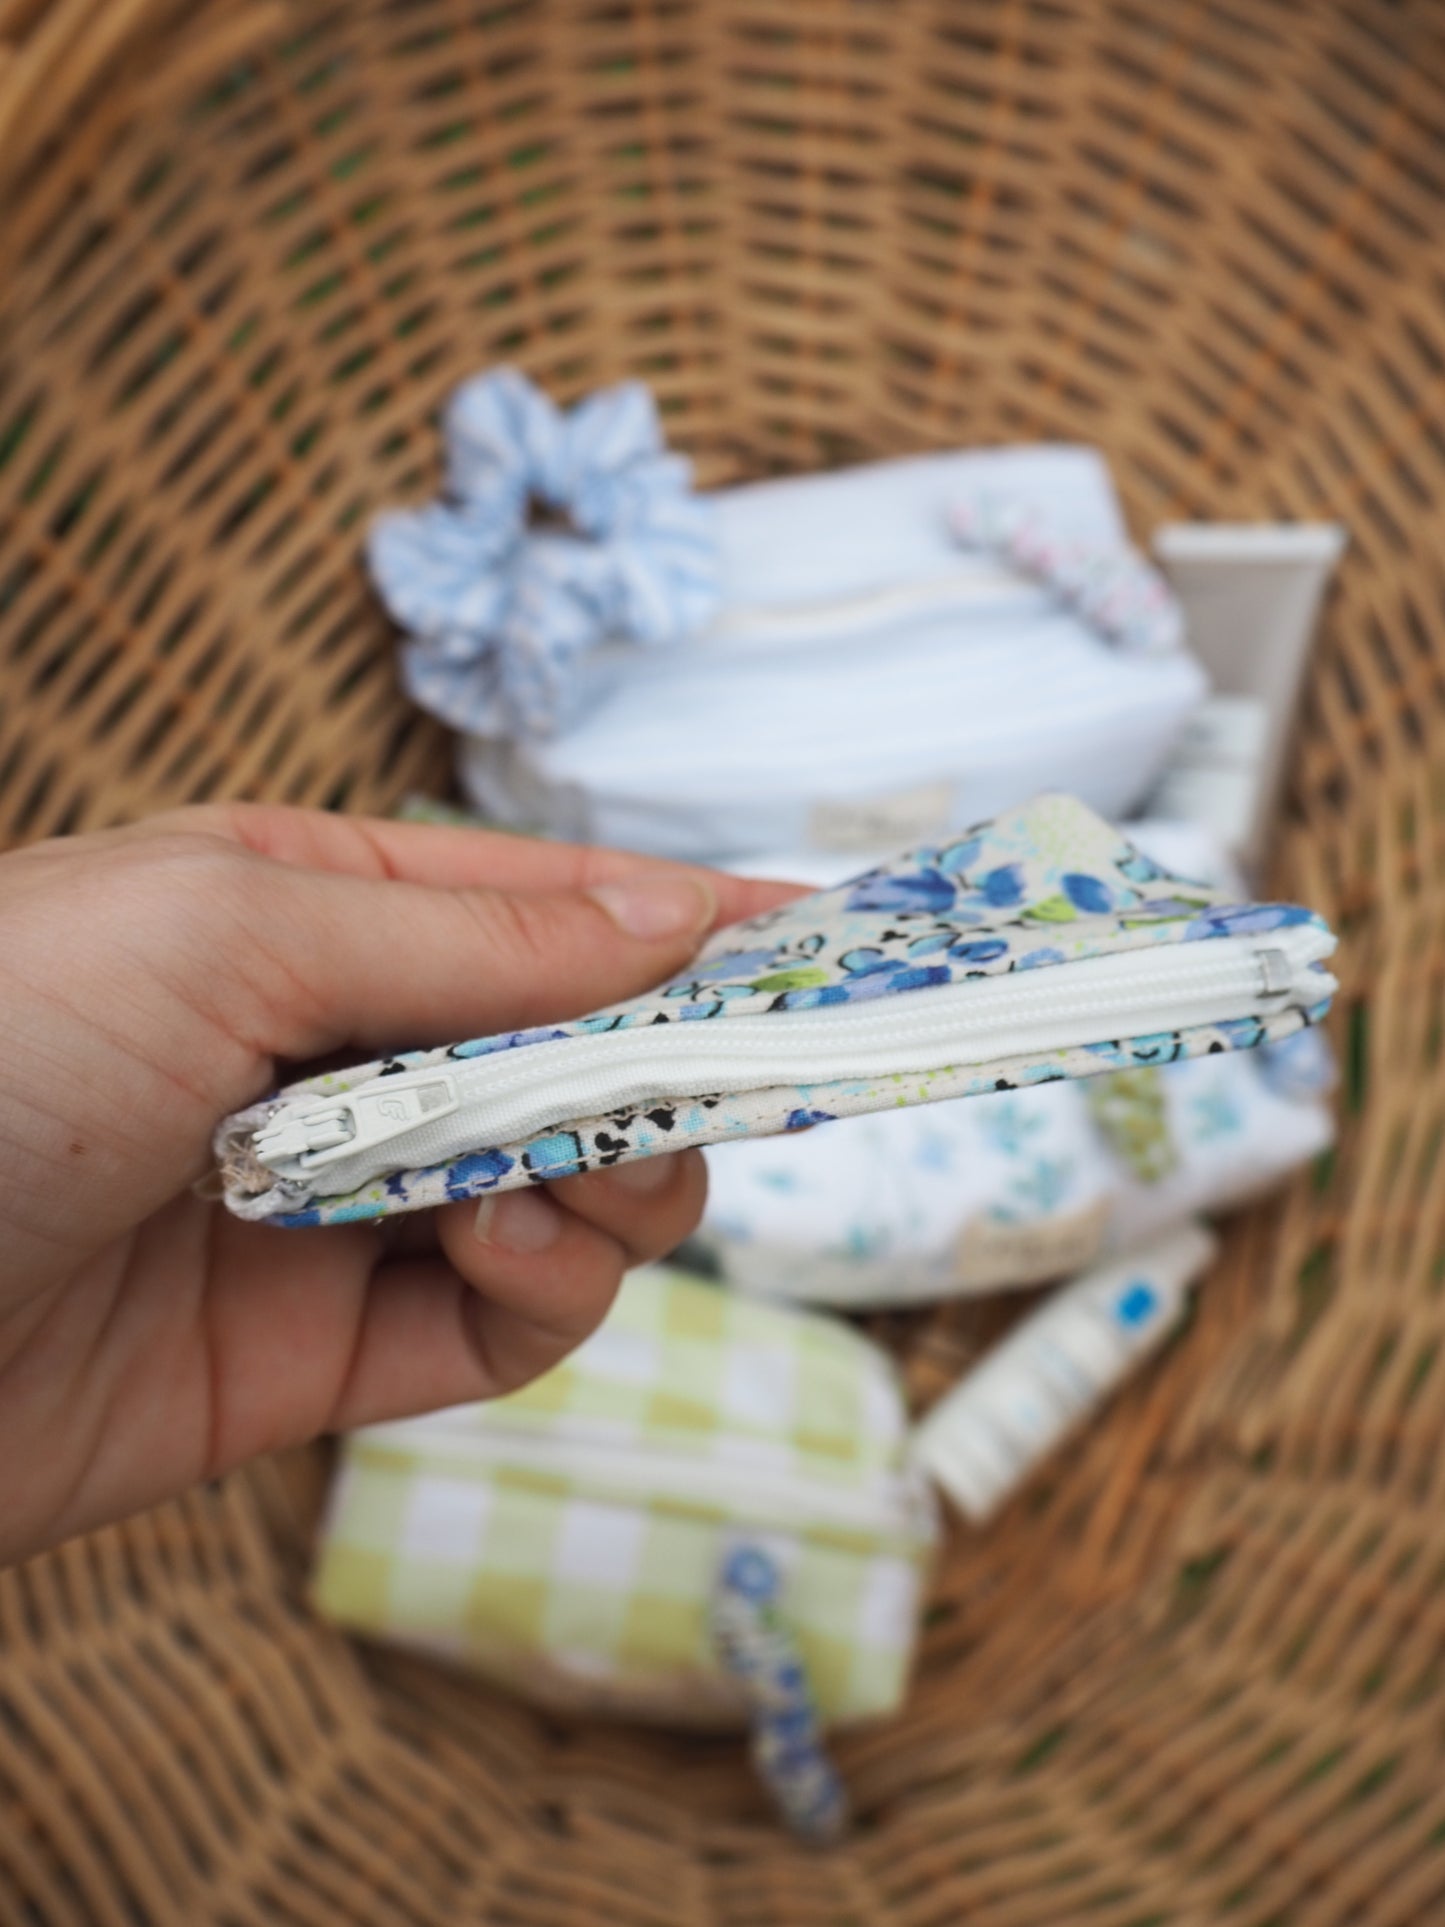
(388, 964)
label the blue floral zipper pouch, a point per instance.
(1039, 945)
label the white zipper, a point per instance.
(332, 1145)
(832, 618)
(883, 1503)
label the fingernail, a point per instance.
(518, 1221)
(658, 906)
(646, 1174)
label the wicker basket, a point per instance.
(1198, 1674)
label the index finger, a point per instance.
(450, 857)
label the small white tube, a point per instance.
(1251, 596)
(1217, 770)
(1056, 1367)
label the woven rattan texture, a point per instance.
(1198, 1674)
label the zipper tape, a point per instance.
(888, 1506)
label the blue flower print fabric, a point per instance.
(1041, 886)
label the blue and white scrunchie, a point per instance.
(556, 532)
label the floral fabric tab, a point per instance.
(556, 532)
(1109, 584)
(754, 1644)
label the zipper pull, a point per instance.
(319, 1132)
(1276, 972)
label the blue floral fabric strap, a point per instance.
(558, 531)
(756, 1647)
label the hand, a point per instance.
(151, 980)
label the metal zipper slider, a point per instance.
(1276, 972)
(322, 1131)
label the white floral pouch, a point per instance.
(1010, 1189)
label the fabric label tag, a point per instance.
(1131, 1110)
(894, 820)
(992, 1252)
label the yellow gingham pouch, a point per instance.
(567, 1541)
